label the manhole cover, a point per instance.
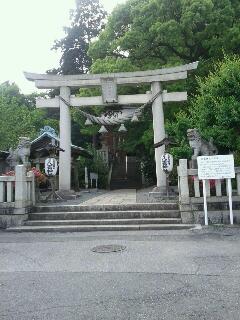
(108, 248)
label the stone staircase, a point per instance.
(120, 179)
(70, 218)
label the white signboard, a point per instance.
(167, 162)
(51, 167)
(213, 168)
(216, 167)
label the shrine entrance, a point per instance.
(109, 82)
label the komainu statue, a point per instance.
(21, 154)
(200, 146)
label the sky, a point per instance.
(28, 29)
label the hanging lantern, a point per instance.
(134, 118)
(122, 128)
(88, 122)
(167, 162)
(102, 130)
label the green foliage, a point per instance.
(150, 34)
(214, 110)
(86, 22)
(177, 130)
(216, 107)
(96, 165)
(154, 32)
(19, 117)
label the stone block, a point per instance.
(187, 217)
(12, 220)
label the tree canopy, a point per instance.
(162, 32)
(19, 117)
(214, 110)
(87, 20)
(148, 34)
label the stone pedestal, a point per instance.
(20, 189)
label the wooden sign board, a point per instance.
(216, 167)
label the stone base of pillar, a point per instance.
(161, 193)
(160, 190)
(67, 194)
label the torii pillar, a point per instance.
(65, 141)
(159, 135)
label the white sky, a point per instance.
(28, 29)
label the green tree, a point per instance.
(19, 117)
(161, 32)
(215, 110)
(87, 20)
(149, 34)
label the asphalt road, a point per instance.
(161, 275)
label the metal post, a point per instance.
(205, 202)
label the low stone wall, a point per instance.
(12, 220)
(9, 217)
(17, 197)
(218, 210)
(191, 197)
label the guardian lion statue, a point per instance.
(200, 146)
(21, 154)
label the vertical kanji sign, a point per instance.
(51, 167)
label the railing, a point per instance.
(190, 186)
(18, 191)
(7, 193)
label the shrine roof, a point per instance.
(46, 137)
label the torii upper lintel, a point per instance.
(49, 81)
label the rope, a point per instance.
(113, 121)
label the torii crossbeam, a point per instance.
(108, 83)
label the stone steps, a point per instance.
(89, 215)
(89, 228)
(146, 221)
(80, 218)
(171, 205)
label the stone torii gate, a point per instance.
(109, 82)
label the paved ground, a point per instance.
(95, 197)
(123, 196)
(161, 275)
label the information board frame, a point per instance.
(216, 168)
